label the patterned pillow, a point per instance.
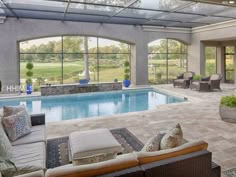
(153, 144)
(11, 110)
(5, 145)
(172, 138)
(16, 126)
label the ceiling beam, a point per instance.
(9, 8)
(66, 9)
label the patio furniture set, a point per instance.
(97, 153)
(206, 84)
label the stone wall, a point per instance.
(78, 88)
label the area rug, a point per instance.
(58, 150)
(230, 173)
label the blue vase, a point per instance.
(29, 89)
(83, 81)
(126, 83)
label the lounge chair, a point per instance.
(184, 79)
(208, 83)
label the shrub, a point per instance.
(229, 101)
(126, 70)
(29, 66)
(28, 81)
(197, 77)
(126, 77)
(29, 73)
(126, 63)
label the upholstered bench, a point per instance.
(93, 146)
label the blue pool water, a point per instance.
(82, 106)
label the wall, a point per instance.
(15, 30)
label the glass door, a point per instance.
(229, 64)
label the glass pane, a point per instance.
(177, 64)
(160, 4)
(74, 67)
(174, 46)
(111, 46)
(158, 46)
(229, 70)
(116, 2)
(111, 66)
(179, 17)
(211, 20)
(229, 50)
(139, 13)
(210, 55)
(42, 45)
(45, 71)
(230, 13)
(157, 65)
(79, 44)
(201, 8)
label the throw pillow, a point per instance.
(5, 145)
(172, 138)
(153, 144)
(16, 126)
(11, 110)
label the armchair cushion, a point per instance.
(33, 154)
(149, 157)
(37, 135)
(120, 163)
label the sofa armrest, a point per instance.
(37, 119)
(130, 172)
(194, 164)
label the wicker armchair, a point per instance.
(208, 83)
(184, 79)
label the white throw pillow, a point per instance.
(153, 144)
(172, 138)
(16, 126)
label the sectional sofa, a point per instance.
(189, 160)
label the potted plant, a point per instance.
(228, 108)
(197, 77)
(126, 81)
(29, 74)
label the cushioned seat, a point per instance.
(33, 174)
(93, 142)
(37, 135)
(30, 154)
(121, 162)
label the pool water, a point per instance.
(83, 106)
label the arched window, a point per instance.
(64, 59)
(167, 59)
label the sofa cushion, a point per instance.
(30, 154)
(16, 126)
(120, 163)
(5, 145)
(37, 135)
(153, 144)
(11, 110)
(149, 157)
(172, 138)
(33, 174)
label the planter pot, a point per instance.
(83, 81)
(29, 89)
(126, 83)
(228, 114)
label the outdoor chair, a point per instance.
(184, 79)
(208, 83)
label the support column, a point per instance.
(234, 64)
(220, 63)
(139, 64)
(196, 57)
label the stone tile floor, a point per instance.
(199, 118)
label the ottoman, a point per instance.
(93, 146)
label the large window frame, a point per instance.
(63, 53)
(167, 58)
